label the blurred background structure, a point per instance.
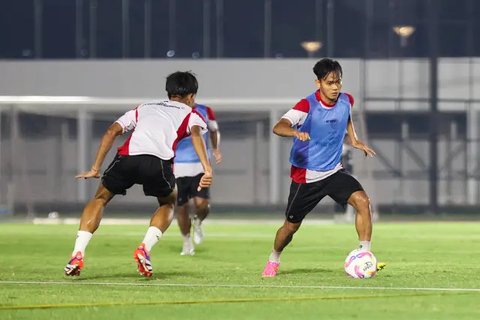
(68, 68)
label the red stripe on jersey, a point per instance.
(298, 175)
(210, 114)
(200, 115)
(124, 149)
(302, 105)
(181, 132)
(350, 97)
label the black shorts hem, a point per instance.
(113, 190)
(187, 189)
(304, 197)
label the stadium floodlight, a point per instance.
(311, 47)
(404, 32)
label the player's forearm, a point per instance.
(352, 135)
(215, 139)
(284, 129)
(200, 149)
(104, 147)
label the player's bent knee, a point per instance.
(103, 196)
(359, 200)
(168, 200)
(204, 207)
(291, 227)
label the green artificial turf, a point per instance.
(432, 273)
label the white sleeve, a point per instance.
(296, 117)
(212, 125)
(196, 120)
(128, 121)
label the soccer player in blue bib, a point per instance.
(188, 171)
(318, 124)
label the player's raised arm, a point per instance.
(284, 128)
(105, 145)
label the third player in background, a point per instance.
(188, 170)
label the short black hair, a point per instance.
(181, 84)
(323, 67)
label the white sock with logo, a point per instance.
(151, 237)
(83, 238)
(365, 245)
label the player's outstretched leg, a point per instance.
(161, 220)
(363, 221)
(283, 237)
(89, 222)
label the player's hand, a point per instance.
(217, 155)
(369, 152)
(93, 173)
(206, 180)
(302, 136)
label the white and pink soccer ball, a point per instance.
(360, 264)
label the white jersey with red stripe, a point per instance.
(157, 127)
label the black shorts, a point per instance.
(155, 174)
(187, 189)
(305, 196)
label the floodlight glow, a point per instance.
(404, 32)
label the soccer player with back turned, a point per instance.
(318, 124)
(145, 158)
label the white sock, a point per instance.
(274, 256)
(83, 238)
(186, 238)
(365, 245)
(151, 237)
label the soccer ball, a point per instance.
(360, 264)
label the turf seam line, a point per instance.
(213, 301)
(259, 286)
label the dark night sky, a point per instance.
(236, 30)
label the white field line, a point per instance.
(252, 286)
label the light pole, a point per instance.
(311, 47)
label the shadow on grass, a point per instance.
(306, 271)
(133, 276)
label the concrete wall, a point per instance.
(146, 78)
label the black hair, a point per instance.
(323, 67)
(181, 84)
